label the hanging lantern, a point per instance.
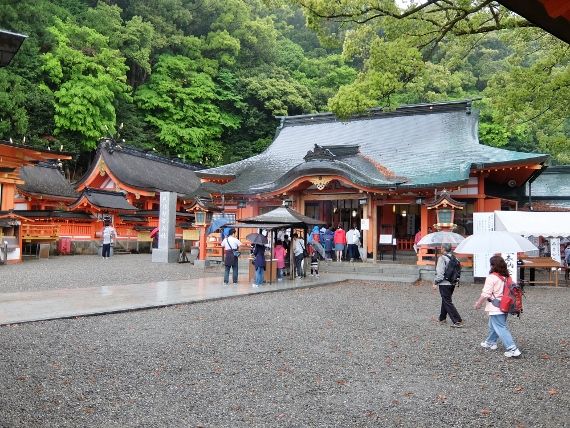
(445, 207)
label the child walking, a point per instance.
(279, 253)
(314, 261)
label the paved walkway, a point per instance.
(72, 302)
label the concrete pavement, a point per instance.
(30, 306)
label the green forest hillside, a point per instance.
(203, 79)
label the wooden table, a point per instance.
(533, 263)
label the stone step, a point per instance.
(369, 268)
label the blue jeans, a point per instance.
(259, 275)
(106, 251)
(279, 273)
(298, 262)
(498, 329)
(234, 268)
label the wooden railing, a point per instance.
(78, 230)
(405, 244)
(429, 259)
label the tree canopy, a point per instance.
(203, 79)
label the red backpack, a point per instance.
(511, 301)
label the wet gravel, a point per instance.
(358, 354)
(91, 271)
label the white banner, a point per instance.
(511, 260)
(482, 222)
(555, 249)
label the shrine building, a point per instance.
(379, 171)
(122, 184)
(15, 228)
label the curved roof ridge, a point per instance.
(378, 112)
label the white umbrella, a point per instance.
(495, 242)
(438, 238)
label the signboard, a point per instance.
(191, 234)
(365, 224)
(511, 261)
(482, 222)
(411, 224)
(385, 239)
(555, 249)
(144, 237)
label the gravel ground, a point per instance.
(358, 354)
(90, 271)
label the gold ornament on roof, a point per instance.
(320, 182)
(102, 167)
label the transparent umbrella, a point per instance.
(437, 238)
(497, 241)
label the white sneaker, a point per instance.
(254, 285)
(513, 353)
(491, 346)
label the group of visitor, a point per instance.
(492, 293)
(283, 251)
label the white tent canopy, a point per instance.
(546, 224)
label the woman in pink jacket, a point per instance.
(339, 242)
(279, 253)
(492, 293)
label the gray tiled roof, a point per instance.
(148, 171)
(46, 179)
(106, 200)
(423, 145)
(554, 181)
(55, 214)
(282, 215)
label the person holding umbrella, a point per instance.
(259, 263)
(231, 254)
(492, 293)
(154, 237)
(446, 288)
(258, 243)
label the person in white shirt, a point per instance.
(298, 251)
(231, 245)
(109, 233)
(353, 242)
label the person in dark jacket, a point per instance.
(259, 263)
(446, 289)
(328, 240)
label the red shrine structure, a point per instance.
(387, 172)
(380, 171)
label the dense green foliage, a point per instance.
(203, 79)
(444, 49)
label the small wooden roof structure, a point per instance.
(444, 200)
(102, 201)
(9, 46)
(10, 218)
(13, 156)
(284, 216)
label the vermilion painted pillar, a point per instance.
(424, 220)
(202, 243)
